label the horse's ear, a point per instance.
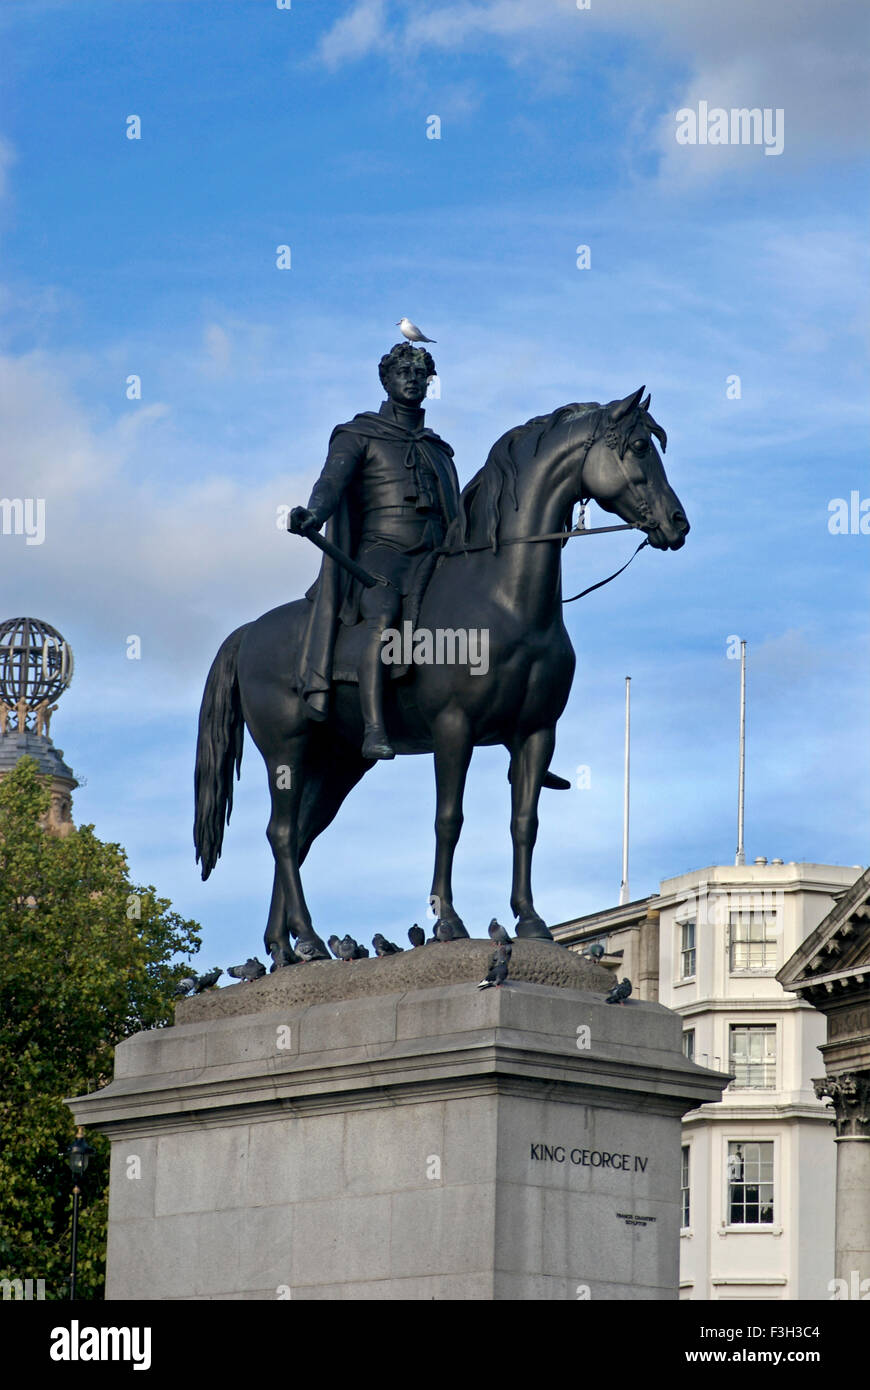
(622, 408)
(644, 405)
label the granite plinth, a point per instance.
(439, 1143)
(436, 964)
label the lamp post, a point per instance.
(77, 1156)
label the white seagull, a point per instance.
(412, 332)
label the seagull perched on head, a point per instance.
(412, 332)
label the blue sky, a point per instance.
(307, 127)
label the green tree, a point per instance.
(85, 960)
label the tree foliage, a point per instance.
(85, 960)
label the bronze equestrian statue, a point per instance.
(497, 570)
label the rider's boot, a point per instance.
(371, 675)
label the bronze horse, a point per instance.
(494, 578)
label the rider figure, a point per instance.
(391, 486)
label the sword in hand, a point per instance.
(303, 522)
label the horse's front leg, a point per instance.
(529, 762)
(453, 744)
(286, 767)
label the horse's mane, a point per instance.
(494, 485)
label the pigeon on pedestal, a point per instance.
(497, 933)
(348, 949)
(619, 993)
(498, 968)
(195, 984)
(251, 970)
(383, 947)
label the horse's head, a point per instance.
(623, 472)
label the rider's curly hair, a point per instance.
(400, 353)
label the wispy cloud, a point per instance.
(810, 60)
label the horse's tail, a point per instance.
(218, 751)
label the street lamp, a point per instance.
(78, 1156)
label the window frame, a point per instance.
(767, 921)
(769, 1030)
(683, 951)
(752, 1226)
(685, 1188)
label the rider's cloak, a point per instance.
(334, 596)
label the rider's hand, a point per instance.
(302, 520)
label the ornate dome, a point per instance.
(36, 663)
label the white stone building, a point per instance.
(758, 1167)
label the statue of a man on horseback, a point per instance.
(487, 559)
(388, 491)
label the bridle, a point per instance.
(564, 536)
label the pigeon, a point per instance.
(384, 947)
(251, 970)
(333, 943)
(594, 952)
(348, 949)
(309, 950)
(281, 957)
(619, 993)
(416, 935)
(497, 933)
(413, 333)
(444, 931)
(195, 984)
(498, 968)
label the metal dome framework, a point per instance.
(36, 662)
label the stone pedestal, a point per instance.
(430, 1143)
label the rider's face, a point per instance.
(407, 383)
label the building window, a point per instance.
(685, 1200)
(750, 1183)
(752, 1056)
(689, 1043)
(687, 950)
(753, 939)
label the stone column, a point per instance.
(849, 1093)
(648, 977)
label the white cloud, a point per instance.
(363, 29)
(133, 544)
(218, 347)
(810, 60)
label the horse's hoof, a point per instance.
(533, 929)
(281, 956)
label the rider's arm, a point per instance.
(338, 471)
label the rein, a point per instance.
(560, 536)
